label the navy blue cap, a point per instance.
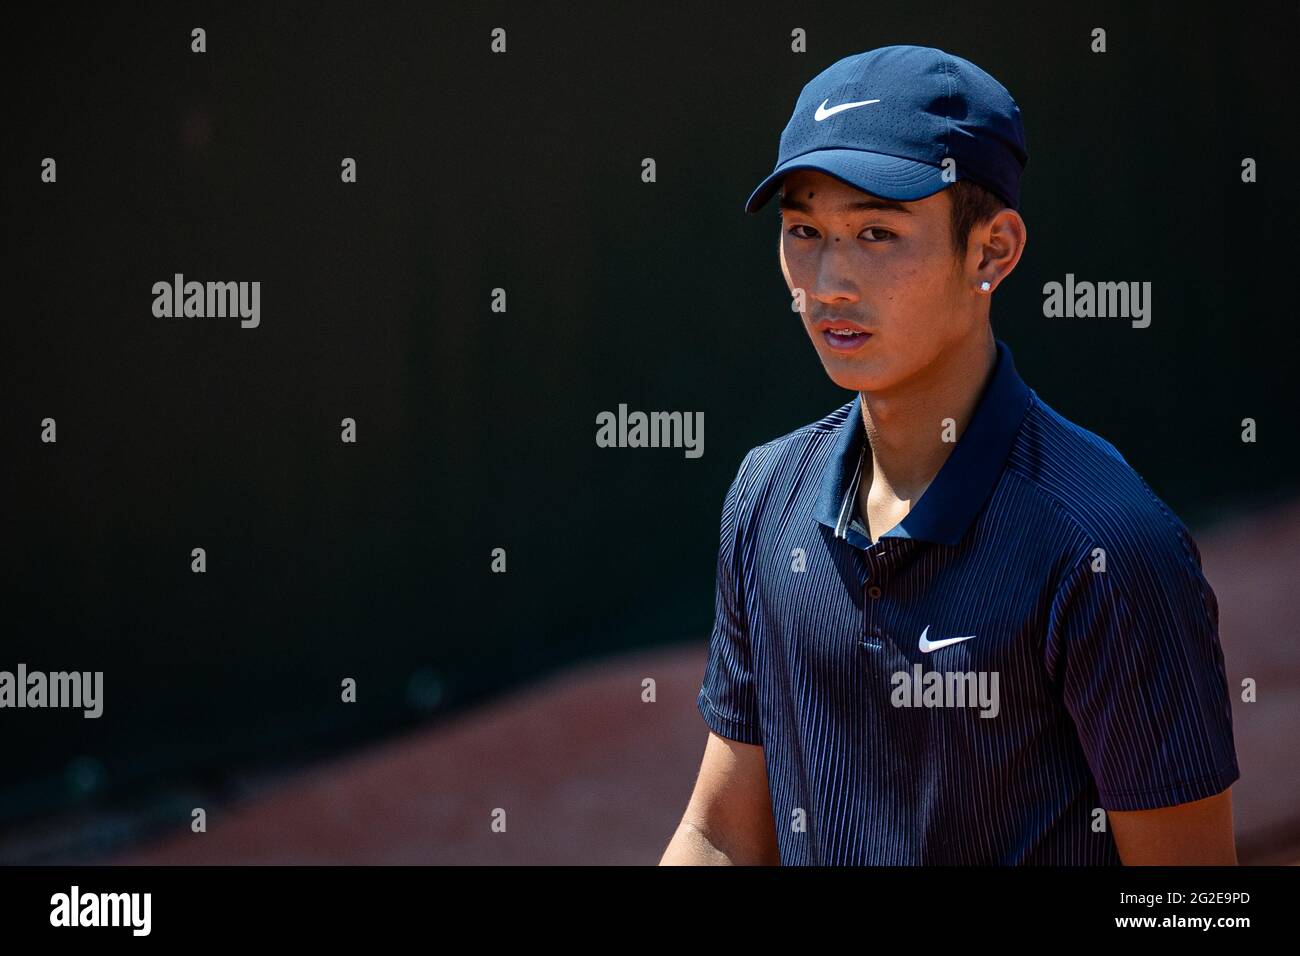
(883, 122)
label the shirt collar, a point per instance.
(948, 506)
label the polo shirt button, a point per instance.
(874, 591)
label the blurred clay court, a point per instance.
(589, 774)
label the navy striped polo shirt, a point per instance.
(1033, 644)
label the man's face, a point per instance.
(889, 271)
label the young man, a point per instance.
(952, 626)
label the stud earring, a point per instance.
(984, 286)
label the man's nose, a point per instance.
(834, 280)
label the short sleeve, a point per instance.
(1135, 651)
(727, 699)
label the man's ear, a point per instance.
(999, 244)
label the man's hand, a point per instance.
(1189, 834)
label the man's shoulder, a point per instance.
(1092, 486)
(786, 456)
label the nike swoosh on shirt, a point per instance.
(928, 646)
(824, 113)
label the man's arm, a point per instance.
(1189, 834)
(728, 821)
(1135, 651)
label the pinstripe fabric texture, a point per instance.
(1075, 661)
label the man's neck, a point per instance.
(905, 426)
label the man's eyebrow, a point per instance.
(858, 205)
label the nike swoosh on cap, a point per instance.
(823, 113)
(928, 646)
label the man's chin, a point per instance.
(856, 376)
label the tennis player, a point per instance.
(952, 626)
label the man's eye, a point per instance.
(871, 233)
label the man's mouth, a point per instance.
(844, 338)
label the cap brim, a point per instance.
(889, 177)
